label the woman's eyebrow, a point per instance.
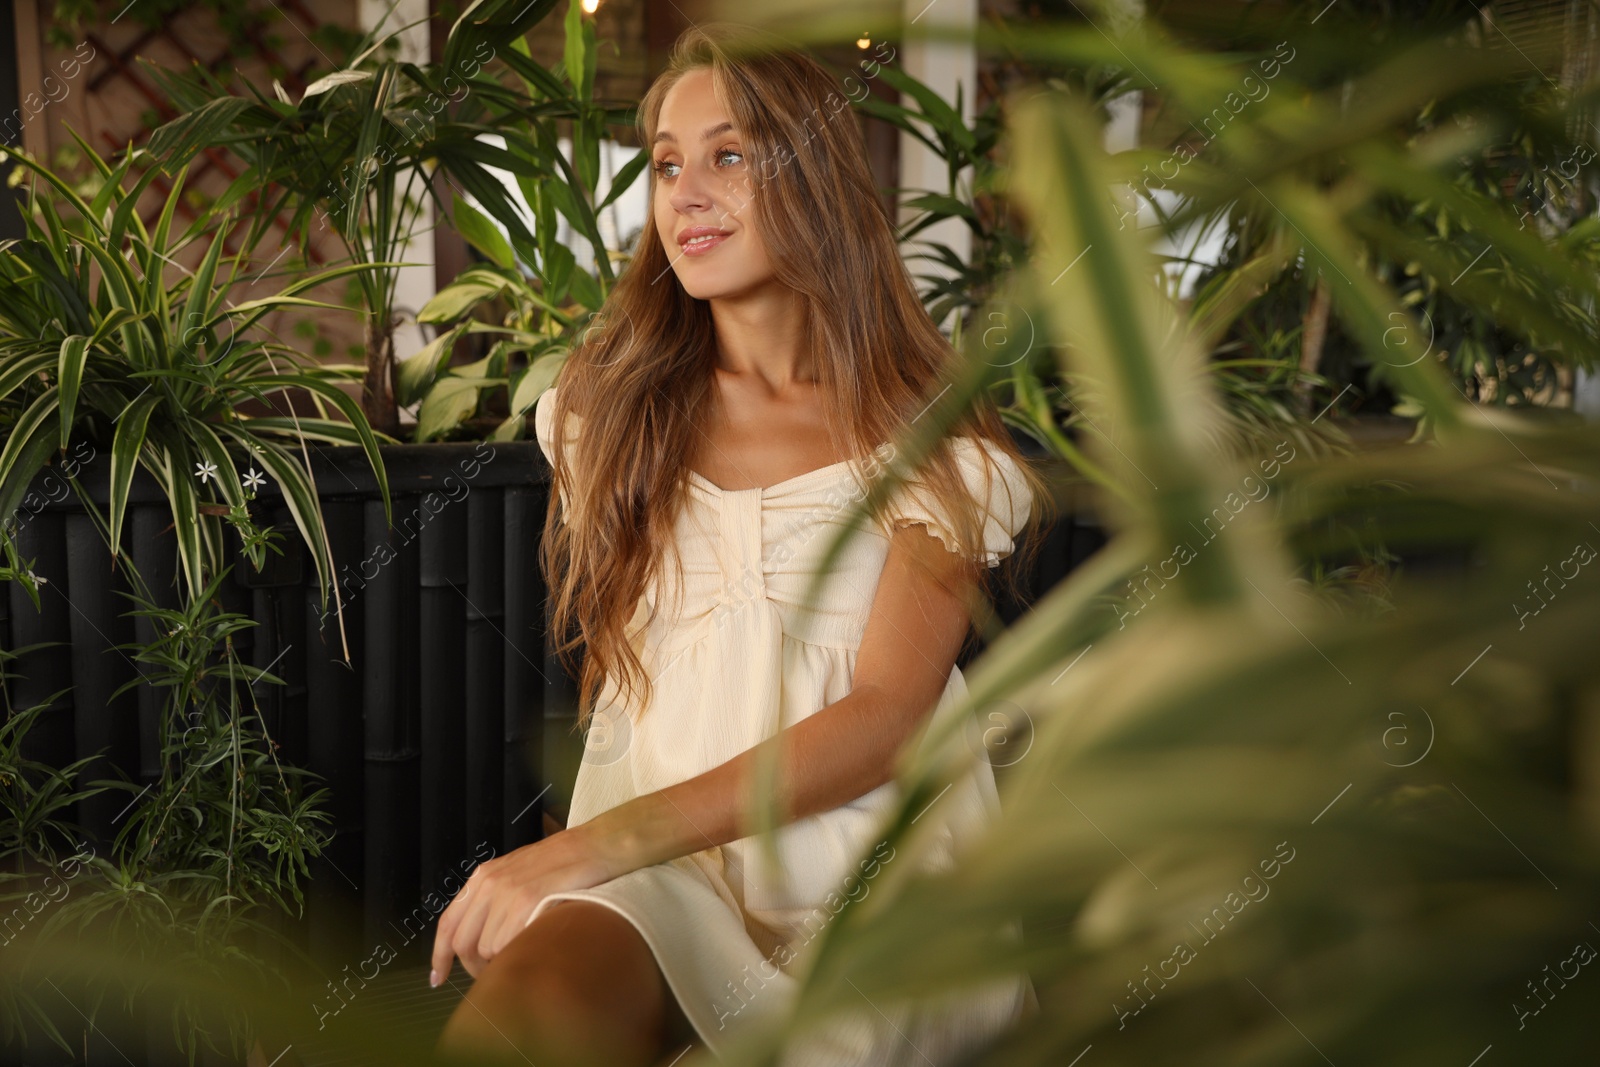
(714, 131)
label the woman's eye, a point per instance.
(662, 168)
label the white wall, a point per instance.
(413, 285)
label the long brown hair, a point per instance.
(640, 380)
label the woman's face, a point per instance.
(703, 188)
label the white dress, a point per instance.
(739, 662)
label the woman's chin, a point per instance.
(704, 288)
(707, 289)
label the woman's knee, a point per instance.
(578, 982)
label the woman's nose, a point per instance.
(692, 190)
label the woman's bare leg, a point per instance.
(579, 986)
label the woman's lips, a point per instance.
(701, 247)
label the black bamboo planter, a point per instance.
(443, 696)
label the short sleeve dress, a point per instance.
(736, 662)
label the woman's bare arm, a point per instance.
(918, 620)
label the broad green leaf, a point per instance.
(586, 290)
(417, 372)
(558, 272)
(450, 401)
(454, 301)
(482, 234)
(533, 381)
(574, 54)
(509, 430)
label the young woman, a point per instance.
(758, 356)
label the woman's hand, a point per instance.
(500, 896)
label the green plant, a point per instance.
(974, 174)
(364, 145)
(1229, 759)
(98, 342)
(1518, 151)
(542, 297)
(256, 825)
(38, 845)
(1241, 737)
(1257, 386)
(206, 859)
(34, 796)
(532, 332)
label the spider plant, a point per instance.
(105, 337)
(207, 860)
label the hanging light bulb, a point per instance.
(590, 6)
(863, 41)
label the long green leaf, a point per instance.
(59, 184)
(1105, 311)
(175, 469)
(623, 180)
(1362, 301)
(352, 411)
(176, 142)
(69, 378)
(28, 445)
(127, 445)
(202, 304)
(15, 373)
(298, 497)
(339, 433)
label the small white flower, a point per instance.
(205, 470)
(253, 480)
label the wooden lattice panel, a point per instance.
(115, 102)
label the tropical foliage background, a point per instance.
(1297, 769)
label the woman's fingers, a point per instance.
(494, 906)
(470, 931)
(447, 940)
(444, 939)
(510, 918)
